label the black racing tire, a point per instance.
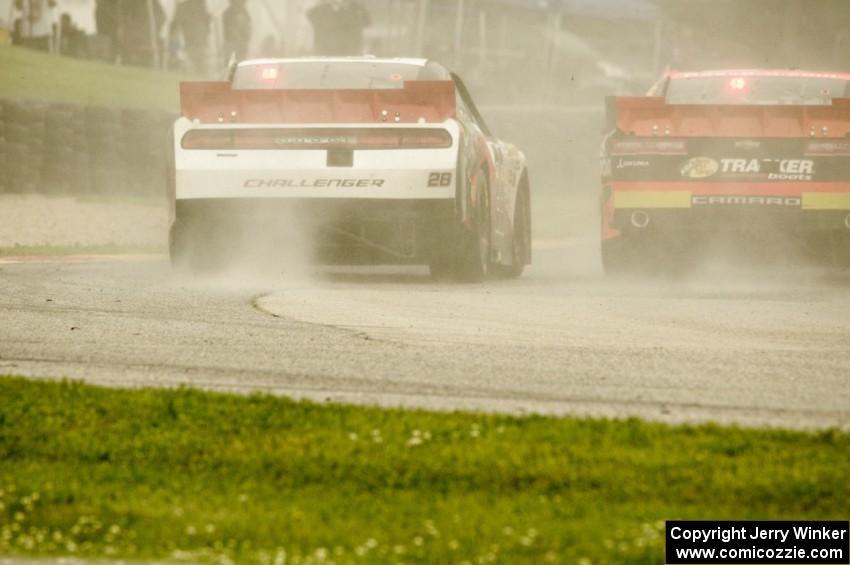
(192, 252)
(473, 254)
(179, 247)
(617, 258)
(521, 240)
(841, 250)
(649, 255)
(441, 267)
(630, 255)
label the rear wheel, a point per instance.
(521, 241)
(647, 255)
(473, 258)
(618, 256)
(178, 246)
(463, 251)
(442, 266)
(841, 249)
(191, 251)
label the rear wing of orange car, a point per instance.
(416, 102)
(648, 116)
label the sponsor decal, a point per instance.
(315, 140)
(793, 201)
(747, 144)
(781, 169)
(740, 165)
(828, 148)
(317, 183)
(649, 147)
(700, 168)
(632, 163)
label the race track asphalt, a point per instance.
(747, 347)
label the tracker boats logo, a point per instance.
(700, 168)
(772, 169)
(792, 201)
(764, 169)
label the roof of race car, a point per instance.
(360, 59)
(790, 73)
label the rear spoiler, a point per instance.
(217, 102)
(652, 116)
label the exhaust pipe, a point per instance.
(847, 221)
(640, 219)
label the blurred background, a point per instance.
(89, 87)
(555, 50)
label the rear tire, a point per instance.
(618, 256)
(178, 246)
(442, 267)
(191, 253)
(473, 257)
(631, 256)
(841, 250)
(650, 255)
(521, 241)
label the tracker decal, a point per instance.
(699, 168)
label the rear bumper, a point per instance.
(732, 220)
(337, 231)
(720, 207)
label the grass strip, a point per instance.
(31, 74)
(186, 474)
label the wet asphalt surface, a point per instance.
(749, 347)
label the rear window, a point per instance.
(332, 75)
(761, 90)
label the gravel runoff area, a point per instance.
(36, 221)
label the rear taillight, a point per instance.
(649, 147)
(323, 138)
(269, 73)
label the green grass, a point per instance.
(30, 74)
(182, 473)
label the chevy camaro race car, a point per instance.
(378, 161)
(749, 154)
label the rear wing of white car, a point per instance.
(417, 102)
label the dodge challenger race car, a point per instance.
(751, 155)
(377, 161)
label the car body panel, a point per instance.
(352, 171)
(706, 168)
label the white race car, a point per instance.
(379, 161)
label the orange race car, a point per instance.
(741, 155)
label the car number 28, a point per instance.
(439, 179)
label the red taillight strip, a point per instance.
(324, 138)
